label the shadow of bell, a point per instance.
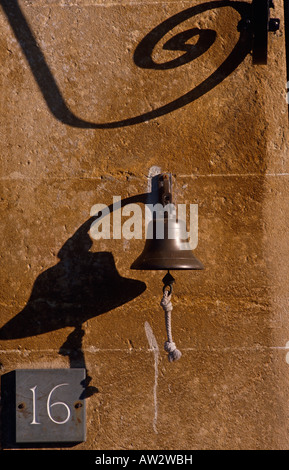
(81, 286)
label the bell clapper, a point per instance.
(173, 353)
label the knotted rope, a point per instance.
(173, 353)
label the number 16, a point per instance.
(49, 405)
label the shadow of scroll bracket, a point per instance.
(52, 93)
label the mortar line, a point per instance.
(99, 178)
(148, 350)
(232, 175)
(111, 4)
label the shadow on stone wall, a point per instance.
(142, 58)
(81, 286)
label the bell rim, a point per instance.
(161, 266)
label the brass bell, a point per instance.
(164, 248)
(169, 252)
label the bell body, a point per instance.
(165, 249)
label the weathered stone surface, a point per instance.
(85, 115)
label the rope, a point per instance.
(173, 353)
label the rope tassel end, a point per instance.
(170, 347)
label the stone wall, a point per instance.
(95, 97)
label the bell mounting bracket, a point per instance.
(165, 188)
(262, 25)
(259, 25)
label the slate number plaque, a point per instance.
(50, 405)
